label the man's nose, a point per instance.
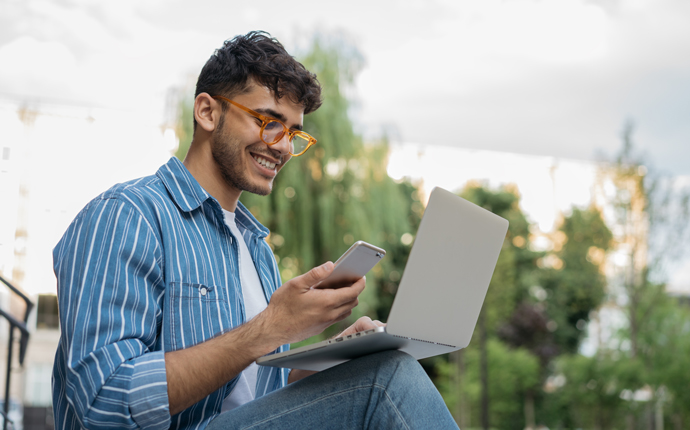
(283, 146)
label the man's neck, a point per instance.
(200, 164)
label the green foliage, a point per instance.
(513, 373)
(184, 129)
(575, 282)
(664, 355)
(645, 375)
(590, 396)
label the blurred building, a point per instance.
(55, 157)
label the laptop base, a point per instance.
(317, 357)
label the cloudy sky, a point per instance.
(538, 77)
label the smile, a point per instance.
(264, 162)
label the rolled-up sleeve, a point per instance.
(110, 289)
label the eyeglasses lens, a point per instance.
(299, 144)
(272, 132)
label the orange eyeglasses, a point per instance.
(273, 130)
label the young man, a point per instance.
(168, 292)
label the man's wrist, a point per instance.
(226, 356)
(263, 333)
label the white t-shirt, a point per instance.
(254, 303)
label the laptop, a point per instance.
(439, 296)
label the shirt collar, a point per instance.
(245, 219)
(188, 195)
(186, 192)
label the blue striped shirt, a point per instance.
(148, 267)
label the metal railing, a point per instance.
(23, 343)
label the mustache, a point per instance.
(267, 152)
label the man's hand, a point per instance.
(362, 324)
(298, 311)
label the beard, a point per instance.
(228, 152)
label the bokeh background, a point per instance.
(570, 118)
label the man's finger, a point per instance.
(348, 305)
(345, 295)
(317, 274)
(364, 323)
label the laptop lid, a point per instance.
(448, 271)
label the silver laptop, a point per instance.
(440, 294)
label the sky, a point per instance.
(554, 78)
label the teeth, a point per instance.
(265, 163)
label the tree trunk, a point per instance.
(633, 291)
(659, 415)
(484, 370)
(529, 411)
(634, 327)
(460, 410)
(677, 422)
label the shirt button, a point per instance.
(203, 291)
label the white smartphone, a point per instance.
(353, 264)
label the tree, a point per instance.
(574, 279)
(650, 218)
(651, 215)
(538, 302)
(514, 371)
(514, 274)
(589, 392)
(603, 391)
(666, 342)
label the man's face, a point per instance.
(244, 161)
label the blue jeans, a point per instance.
(388, 390)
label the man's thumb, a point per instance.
(318, 274)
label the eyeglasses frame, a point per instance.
(264, 122)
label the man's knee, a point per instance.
(397, 361)
(397, 357)
(380, 366)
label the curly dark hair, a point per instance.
(262, 58)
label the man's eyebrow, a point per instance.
(277, 115)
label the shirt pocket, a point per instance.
(196, 312)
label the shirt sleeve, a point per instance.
(110, 288)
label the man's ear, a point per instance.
(207, 112)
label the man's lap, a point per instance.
(379, 391)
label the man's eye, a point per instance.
(273, 125)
